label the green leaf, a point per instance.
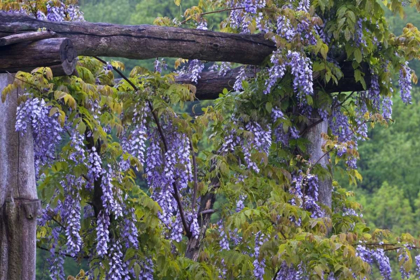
(324, 51)
(268, 107)
(358, 55)
(137, 270)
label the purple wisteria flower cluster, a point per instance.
(109, 201)
(61, 12)
(243, 13)
(136, 142)
(118, 268)
(56, 259)
(147, 269)
(129, 233)
(71, 214)
(281, 136)
(378, 255)
(405, 83)
(46, 130)
(102, 233)
(168, 176)
(259, 263)
(306, 191)
(259, 140)
(288, 272)
(301, 69)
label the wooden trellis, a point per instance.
(22, 47)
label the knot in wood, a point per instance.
(31, 208)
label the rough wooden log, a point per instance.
(146, 41)
(25, 37)
(211, 84)
(57, 53)
(19, 202)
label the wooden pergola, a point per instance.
(23, 47)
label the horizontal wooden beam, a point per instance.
(25, 37)
(147, 41)
(57, 53)
(211, 84)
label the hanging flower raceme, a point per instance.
(56, 259)
(259, 265)
(405, 83)
(71, 214)
(118, 269)
(288, 272)
(95, 169)
(46, 130)
(129, 232)
(110, 204)
(136, 143)
(102, 233)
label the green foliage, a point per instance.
(391, 154)
(326, 244)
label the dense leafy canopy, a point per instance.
(248, 151)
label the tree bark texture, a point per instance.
(147, 41)
(57, 53)
(19, 202)
(211, 84)
(25, 37)
(313, 134)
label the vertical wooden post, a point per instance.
(19, 202)
(317, 155)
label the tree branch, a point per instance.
(214, 12)
(67, 255)
(163, 138)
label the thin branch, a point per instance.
(208, 211)
(213, 12)
(282, 234)
(67, 255)
(344, 101)
(55, 220)
(223, 10)
(156, 119)
(310, 126)
(194, 161)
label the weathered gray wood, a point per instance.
(313, 134)
(25, 37)
(18, 196)
(211, 84)
(146, 41)
(57, 53)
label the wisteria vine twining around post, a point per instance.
(144, 187)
